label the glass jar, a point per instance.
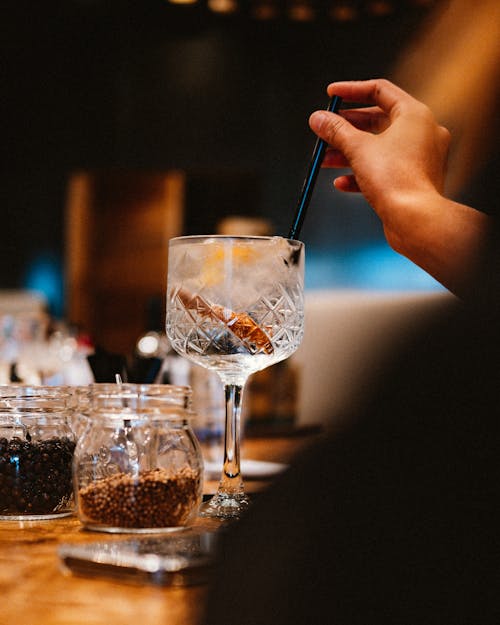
(36, 452)
(79, 403)
(138, 465)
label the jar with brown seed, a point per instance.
(36, 452)
(138, 465)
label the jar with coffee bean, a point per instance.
(138, 465)
(36, 452)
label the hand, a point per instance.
(394, 147)
(398, 155)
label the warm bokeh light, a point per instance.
(380, 8)
(265, 10)
(223, 6)
(301, 11)
(343, 11)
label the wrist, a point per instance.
(439, 235)
(409, 220)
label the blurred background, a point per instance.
(127, 122)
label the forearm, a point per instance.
(441, 236)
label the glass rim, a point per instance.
(236, 237)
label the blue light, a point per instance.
(45, 275)
(372, 266)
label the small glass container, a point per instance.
(79, 402)
(138, 465)
(36, 453)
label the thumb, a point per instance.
(332, 128)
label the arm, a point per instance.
(398, 153)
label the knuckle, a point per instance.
(379, 84)
(333, 128)
(424, 111)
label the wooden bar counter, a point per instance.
(35, 591)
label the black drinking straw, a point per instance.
(312, 174)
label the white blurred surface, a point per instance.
(348, 336)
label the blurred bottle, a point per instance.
(241, 225)
(209, 409)
(270, 400)
(208, 401)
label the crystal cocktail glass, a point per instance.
(235, 305)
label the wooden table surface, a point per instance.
(35, 591)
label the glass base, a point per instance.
(34, 517)
(225, 506)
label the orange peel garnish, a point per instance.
(240, 324)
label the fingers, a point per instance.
(333, 129)
(379, 91)
(370, 119)
(334, 158)
(387, 102)
(347, 184)
(328, 125)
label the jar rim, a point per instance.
(141, 399)
(132, 387)
(112, 416)
(21, 390)
(31, 400)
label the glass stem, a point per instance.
(231, 480)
